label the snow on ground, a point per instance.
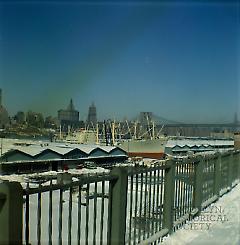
(27, 177)
(65, 215)
(219, 224)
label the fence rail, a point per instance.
(126, 206)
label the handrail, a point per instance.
(83, 181)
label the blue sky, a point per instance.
(177, 59)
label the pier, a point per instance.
(128, 205)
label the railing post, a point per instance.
(11, 212)
(118, 206)
(169, 192)
(198, 184)
(64, 178)
(217, 175)
(220, 172)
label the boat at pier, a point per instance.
(149, 148)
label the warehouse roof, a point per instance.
(36, 149)
(198, 142)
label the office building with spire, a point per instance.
(92, 116)
(69, 116)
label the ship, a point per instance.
(152, 147)
(146, 148)
(82, 136)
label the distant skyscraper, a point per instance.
(4, 119)
(0, 97)
(20, 117)
(92, 115)
(235, 118)
(69, 117)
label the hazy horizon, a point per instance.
(178, 59)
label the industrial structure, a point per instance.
(145, 118)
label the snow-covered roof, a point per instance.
(36, 148)
(198, 142)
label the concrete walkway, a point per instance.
(219, 224)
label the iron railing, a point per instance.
(129, 205)
(145, 203)
(184, 185)
(63, 213)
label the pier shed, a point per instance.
(75, 154)
(48, 154)
(98, 152)
(16, 155)
(56, 156)
(194, 144)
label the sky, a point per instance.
(178, 59)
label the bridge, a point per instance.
(158, 120)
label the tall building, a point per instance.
(92, 116)
(69, 117)
(20, 117)
(235, 118)
(4, 119)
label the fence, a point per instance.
(128, 206)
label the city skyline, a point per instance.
(179, 60)
(136, 118)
